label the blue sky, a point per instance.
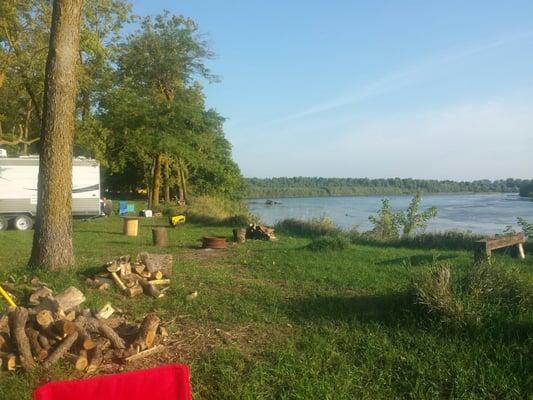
(422, 89)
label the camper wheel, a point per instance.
(22, 222)
(3, 223)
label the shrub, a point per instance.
(434, 294)
(329, 243)
(500, 286)
(527, 227)
(311, 228)
(386, 223)
(485, 294)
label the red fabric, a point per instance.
(170, 382)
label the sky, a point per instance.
(377, 88)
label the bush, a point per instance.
(312, 228)
(434, 294)
(329, 243)
(485, 294)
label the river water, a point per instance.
(478, 213)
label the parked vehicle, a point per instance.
(18, 190)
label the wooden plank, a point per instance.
(504, 241)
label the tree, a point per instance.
(157, 106)
(412, 219)
(52, 241)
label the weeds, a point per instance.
(329, 243)
(312, 228)
(486, 294)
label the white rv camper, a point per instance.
(18, 190)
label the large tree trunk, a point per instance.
(156, 185)
(183, 182)
(52, 240)
(167, 180)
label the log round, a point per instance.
(160, 236)
(239, 235)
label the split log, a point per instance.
(150, 289)
(112, 266)
(39, 294)
(147, 333)
(106, 311)
(96, 357)
(17, 320)
(157, 262)
(157, 275)
(135, 290)
(98, 324)
(84, 339)
(100, 283)
(9, 360)
(145, 353)
(138, 267)
(118, 281)
(60, 350)
(70, 298)
(158, 282)
(81, 361)
(35, 345)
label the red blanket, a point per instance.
(170, 382)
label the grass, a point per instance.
(274, 320)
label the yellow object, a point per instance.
(177, 219)
(6, 296)
(131, 226)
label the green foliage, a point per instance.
(311, 228)
(387, 223)
(487, 294)
(434, 294)
(412, 220)
(307, 187)
(329, 243)
(527, 227)
(526, 189)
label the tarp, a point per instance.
(169, 382)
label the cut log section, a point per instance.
(157, 262)
(17, 319)
(69, 299)
(147, 333)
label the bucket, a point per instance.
(131, 226)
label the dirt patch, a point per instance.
(192, 341)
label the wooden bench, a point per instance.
(483, 248)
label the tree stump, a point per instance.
(239, 235)
(159, 236)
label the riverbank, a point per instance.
(278, 320)
(485, 214)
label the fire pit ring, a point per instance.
(214, 242)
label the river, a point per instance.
(478, 213)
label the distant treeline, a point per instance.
(306, 187)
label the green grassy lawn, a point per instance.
(274, 320)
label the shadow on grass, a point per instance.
(399, 310)
(367, 308)
(417, 260)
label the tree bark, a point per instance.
(156, 180)
(167, 180)
(52, 240)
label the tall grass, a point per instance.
(311, 228)
(485, 294)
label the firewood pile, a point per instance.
(52, 328)
(149, 274)
(260, 232)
